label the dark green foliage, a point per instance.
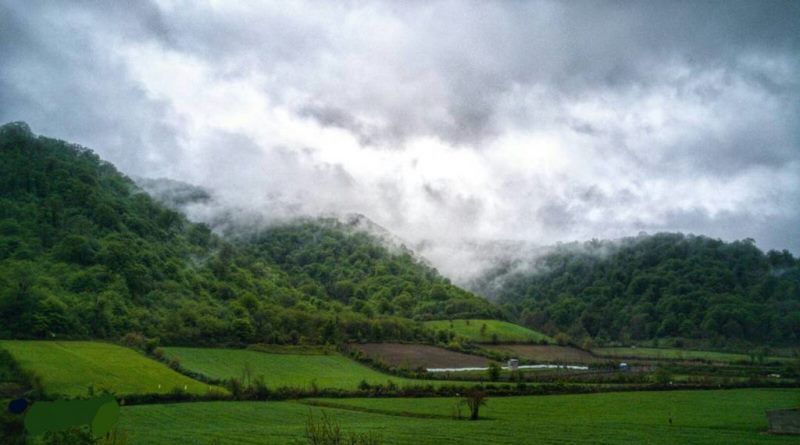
(493, 372)
(85, 253)
(661, 286)
(474, 399)
(73, 436)
(332, 262)
(12, 429)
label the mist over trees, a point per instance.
(85, 253)
(667, 285)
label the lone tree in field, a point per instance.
(474, 399)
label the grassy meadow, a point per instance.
(679, 354)
(291, 370)
(69, 367)
(502, 331)
(698, 417)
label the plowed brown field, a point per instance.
(414, 356)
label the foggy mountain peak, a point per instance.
(442, 121)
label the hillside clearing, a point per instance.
(488, 331)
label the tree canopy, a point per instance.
(84, 252)
(658, 286)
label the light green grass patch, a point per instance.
(327, 371)
(475, 331)
(283, 370)
(678, 354)
(699, 417)
(70, 367)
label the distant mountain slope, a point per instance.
(664, 285)
(326, 258)
(85, 252)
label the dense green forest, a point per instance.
(649, 287)
(84, 252)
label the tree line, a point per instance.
(667, 285)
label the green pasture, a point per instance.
(698, 417)
(70, 367)
(474, 330)
(680, 354)
(290, 370)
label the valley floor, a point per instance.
(698, 417)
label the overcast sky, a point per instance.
(521, 120)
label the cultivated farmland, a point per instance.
(282, 370)
(487, 331)
(545, 353)
(413, 356)
(698, 417)
(680, 354)
(70, 367)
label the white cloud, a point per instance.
(541, 121)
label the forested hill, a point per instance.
(648, 287)
(85, 253)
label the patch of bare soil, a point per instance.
(415, 356)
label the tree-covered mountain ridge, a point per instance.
(203, 206)
(84, 252)
(667, 285)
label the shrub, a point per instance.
(474, 399)
(327, 431)
(72, 436)
(663, 376)
(134, 340)
(258, 389)
(118, 436)
(158, 353)
(493, 372)
(175, 364)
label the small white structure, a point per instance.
(513, 364)
(623, 366)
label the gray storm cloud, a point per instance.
(443, 121)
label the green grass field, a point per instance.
(69, 367)
(505, 331)
(699, 417)
(292, 370)
(679, 354)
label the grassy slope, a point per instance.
(69, 367)
(682, 354)
(505, 331)
(295, 370)
(699, 417)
